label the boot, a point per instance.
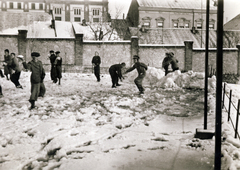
(1, 73)
(32, 104)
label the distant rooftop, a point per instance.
(178, 36)
(184, 4)
(233, 24)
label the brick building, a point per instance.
(171, 14)
(63, 10)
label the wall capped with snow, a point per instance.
(154, 55)
(110, 53)
(8, 42)
(43, 46)
(230, 60)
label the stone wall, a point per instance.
(43, 46)
(230, 58)
(153, 55)
(77, 54)
(110, 53)
(8, 42)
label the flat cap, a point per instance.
(136, 57)
(51, 51)
(171, 54)
(57, 52)
(35, 54)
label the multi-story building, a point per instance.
(171, 14)
(63, 10)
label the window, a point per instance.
(77, 19)
(77, 11)
(58, 18)
(11, 5)
(211, 26)
(41, 6)
(95, 19)
(58, 11)
(199, 25)
(146, 24)
(187, 25)
(175, 25)
(33, 5)
(160, 24)
(96, 12)
(19, 5)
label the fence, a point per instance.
(230, 103)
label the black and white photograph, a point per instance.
(119, 84)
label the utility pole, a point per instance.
(219, 64)
(206, 66)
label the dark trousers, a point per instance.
(97, 72)
(42, 90)
(0, 90)
(7, 70)
(114, 77)
(53, 73)
(35, 89)
(59, 71)
(138, 82)
(166, 70)
(174, 69)
(15, 78)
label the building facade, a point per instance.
(171, 14)
(62, 10)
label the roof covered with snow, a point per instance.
(178, 36)
(233, 24)
(184, 4)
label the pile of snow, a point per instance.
(193, 80)
(230, 145)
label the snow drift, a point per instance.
(156, 78)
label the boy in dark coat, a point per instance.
(52, 58)
(17, 71)
(36, 67)
(96, 61)
(174, 62)
(58, 67)
(7, 63)
(166, 63)
(170, 59)
(116, 73)
(141, 68)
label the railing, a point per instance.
(229, 110)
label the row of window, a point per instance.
(19, 6)
(76, 19)
(160, 24)
(77, 11)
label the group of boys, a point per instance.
(38, 73)
(12, 68)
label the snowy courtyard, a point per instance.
(85, 124)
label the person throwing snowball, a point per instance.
(141, 69)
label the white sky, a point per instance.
(231, 8)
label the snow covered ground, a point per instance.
(230, 145)
(84, 124)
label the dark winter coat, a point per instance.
(15, 65)
(116, 68)
(37, 70)
(52, 58)
(174, 63)
(96, 60)
(141, 68)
